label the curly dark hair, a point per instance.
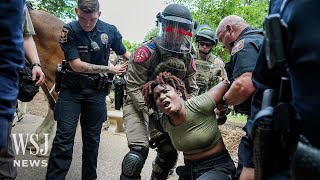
(162, 79)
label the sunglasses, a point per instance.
(205, 44)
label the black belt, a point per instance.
(99, 82)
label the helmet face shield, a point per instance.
(176, 34)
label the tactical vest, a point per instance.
(177, 64)
(207, 74)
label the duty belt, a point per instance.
(81, 80)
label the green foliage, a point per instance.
(63, 9)
(213, 11)
(131, 47)
(239, 118)
(151, 33)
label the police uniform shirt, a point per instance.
(244, 55)
(245, 52)
(75, 42)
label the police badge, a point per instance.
(104, 38)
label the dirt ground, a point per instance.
(231, 131)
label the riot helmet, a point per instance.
(205, 33)
(175, 28)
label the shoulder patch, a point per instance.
(237, 47)
(64, 35)
(141, 55)
(152, 45)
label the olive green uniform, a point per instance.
(208, 71)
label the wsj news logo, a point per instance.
(20, 141)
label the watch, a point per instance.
(36, 64)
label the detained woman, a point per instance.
(192, 126)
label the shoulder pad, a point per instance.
(141, 55)
(236, 48)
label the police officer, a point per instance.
(243, 43)
(209, 66)
(11, 58)
(86, 44)
(169, 51)
(300, 64)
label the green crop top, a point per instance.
(199, 131)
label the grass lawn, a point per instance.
(239, 118)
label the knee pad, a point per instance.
(133, 162)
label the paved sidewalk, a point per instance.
(113, 147)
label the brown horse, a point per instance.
(48, 29)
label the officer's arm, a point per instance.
(68, 44)
(245, 58)
(241, 89)
(137, 75)
(31, 53)
(80, 66)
